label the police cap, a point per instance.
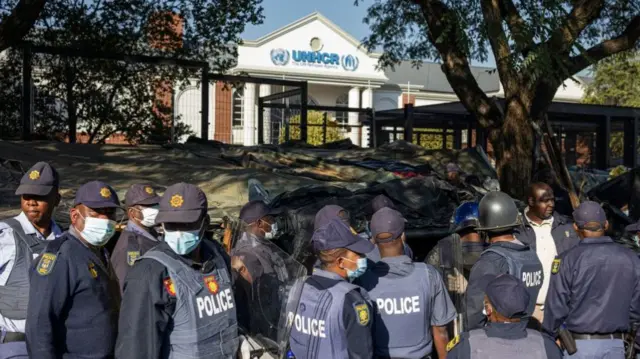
(381, 201)
(452, 167)
(256, 210)
(590, 215)
(337, 234)
(182, 203)
(508, 296)
(143, 194)
(96, 194)
(389, 221)
(632, 228)
(329, 212)
(39, 180)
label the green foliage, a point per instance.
(616, 83)
(111, 96)
(431, 138)
(399, 28)
(315, 121)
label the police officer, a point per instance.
(379, 202)
(139, 236)
(177, 300)
(594, 289)
(74, 297)
(333, 318)
(546, 232)
(464, 223)
(498, 215)
(21, 238)
(506, 335)
(412, 304)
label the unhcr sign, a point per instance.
(282, 57)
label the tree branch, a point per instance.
(517, 26)
(455, 64)
(18, 24)
(625, 41)
(499, 46)
(583, 13)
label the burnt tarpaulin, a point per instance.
(619, 192)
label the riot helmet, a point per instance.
(497, 213)
(465, 216)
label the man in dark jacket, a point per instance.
(547, 233)
(139, 236)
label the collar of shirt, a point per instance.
(515, 330)
(132, 227)
(545, 222)
(515, 244)
(29, 228)
(596, 240)
(326, 274)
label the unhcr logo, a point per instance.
(279, 57)
(350, 62)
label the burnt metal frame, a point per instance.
(27, 78)
(599, 116)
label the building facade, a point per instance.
(339, 71)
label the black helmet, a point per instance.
(497, 213)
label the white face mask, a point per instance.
(149, 215)
(98, 231)
(273, 233)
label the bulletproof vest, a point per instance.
(485, 347)
(204, 320)
(523, 264)
(317, 331)
(14, 295)
(403, 314)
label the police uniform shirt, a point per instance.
(357, 334)
(132, 244)
(488, 266)
(594, 288)
(73, 302)
(7, 258)
(460, 348)
(438, 310)
(148, 305)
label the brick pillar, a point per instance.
(408, 99)
(223, 112)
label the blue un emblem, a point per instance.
(350, 62)
(279, 57)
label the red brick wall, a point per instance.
(223, 112)
(408, 99)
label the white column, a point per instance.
(249, 114)
(265, 90)
(354, 102)
(367, 102)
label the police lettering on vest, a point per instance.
(396, 306)
(532, 279)
(309, 326)
(215, 304)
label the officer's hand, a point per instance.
(456, 282)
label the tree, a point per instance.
(18, 21)
(616, 83)
(537, 46)
(315, 121)
(103, 97)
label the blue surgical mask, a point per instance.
(362, 267)
(182, 242)
(98, 231)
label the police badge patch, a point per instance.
(132, 256)
(46, 263)
(362, 312)
(92, 270)
(453, 343)
(169, 286)
(211, 284)
(555, 267)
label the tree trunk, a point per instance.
(513, 145)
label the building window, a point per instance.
(238, 108)
(342, 116)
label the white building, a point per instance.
(339, 72)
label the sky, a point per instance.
(279, 13)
